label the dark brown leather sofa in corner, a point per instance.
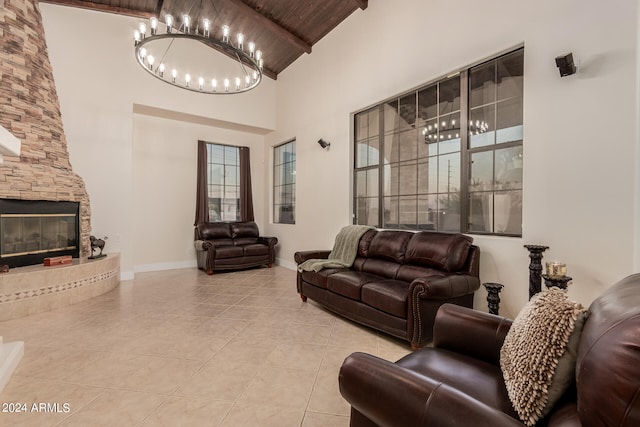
(232, 246)
(398, 281)
(458, 382)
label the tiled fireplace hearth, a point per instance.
(36, 289)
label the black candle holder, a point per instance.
(558, 282)
(535, 268)
(493, 296)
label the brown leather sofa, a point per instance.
(397, 282)
(458, 382)
(232, 246)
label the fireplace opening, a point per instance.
(32, 230)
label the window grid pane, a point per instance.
(223, 171)
(414, 144)
(284, 183)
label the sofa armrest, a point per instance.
(444, 287)
(302, 256)
(392, 396)
(269, 241)
(203, 245)
(470, 332)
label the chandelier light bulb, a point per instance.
(237, 83)
(240, 41)
(143, 29)
(214, 85)
(255, 76)
(247, 80)
(143, 53)
(187, 79)
(174, 74)
(153, 23)
(225, 33)
(161, 69)
(201, 83)
(168, 19)
(186, 21)
(136, 37)
(150, 61)
(226, 85)
(252, 48)
(206, 24)
(258, 55)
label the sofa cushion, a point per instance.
(255, 249)
(456, 370)
(214, 230)
(389, 245)
(409, 273)
(444, 251)
(365, 243)
(381, 267)
(389, 296)
(319, 278)
(244, 229)
(539, 353)
(348, 283)
(223, 252)
(241, 241)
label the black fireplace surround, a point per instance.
(32, 230)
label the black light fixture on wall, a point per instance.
(323, 143)
(565, 64)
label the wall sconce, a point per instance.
(565, 64)
(323, 143)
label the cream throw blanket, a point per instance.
(344, 251)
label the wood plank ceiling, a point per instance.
(283, 29)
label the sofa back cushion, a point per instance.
(214, 230)
(244, 229)
(389, 245)
(245, 233)
(365, 243)
(444, 251)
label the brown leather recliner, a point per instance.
(232, 245)
(458, 382)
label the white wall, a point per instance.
(98, 82)
(581, 137)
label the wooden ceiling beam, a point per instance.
(271, 25)
(362, 4)
(102, 7)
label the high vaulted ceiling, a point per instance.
(283, 29)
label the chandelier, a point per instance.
(451, 130)
(183, 56)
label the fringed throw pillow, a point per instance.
(538, 356)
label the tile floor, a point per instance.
(180, 348)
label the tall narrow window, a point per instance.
(223, 165)
(447, 156)
(284, 183)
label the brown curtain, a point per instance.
(202, 196)
(246, 198)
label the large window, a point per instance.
(447, 156)
(284, 183)
(223, 166)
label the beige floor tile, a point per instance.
(244, 414)
(115, 408)
(188, 412)
(180, 347)
(312, 419)
(297, 356)
(281, 387)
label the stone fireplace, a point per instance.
(30, 110)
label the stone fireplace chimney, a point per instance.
(30, 110)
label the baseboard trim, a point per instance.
(144, 268)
